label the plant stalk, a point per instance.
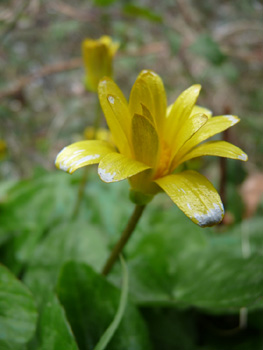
(82, 185)
(126, 234)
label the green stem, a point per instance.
(126, 234)
(82, 185)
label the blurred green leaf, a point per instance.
(54, 330)
(110, 331)
(174, 264)
(206, 47)
(17, 310)
(143, 12)
(216, 279)
(77, 241)
(90, 302)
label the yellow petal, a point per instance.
(213, 126)
(117, 167)
(148, 90)
(195, 196)
(198, 109)
(215, 148)
(116, 112)
(145, 141)
(181, 110)
(191, 125)
(82, 153)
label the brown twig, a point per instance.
(18, 86)
(43, 72)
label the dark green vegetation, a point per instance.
(189, 288)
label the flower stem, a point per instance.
(82, 185)
(126, 234)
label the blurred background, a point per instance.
(43, 102)
(44, 107)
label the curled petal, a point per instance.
(196, 110)
(215, 148)
(195, 196)
(116, 167)
(82, 153)
(191, 125)
(213, 126)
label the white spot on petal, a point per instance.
(85, 159)
(231, 118)
(63, 166)
(213, 216)
(111, 99)
(189, 206)
(183, 190)
(79, 151)
(242, 157)
(106, 177)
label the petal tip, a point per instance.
(243, 157)
(106, 177)
(213, 216)
(233, 119)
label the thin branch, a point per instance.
(18, 86)
(43, 72)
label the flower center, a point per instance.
(164, 163)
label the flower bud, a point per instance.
(97, 57)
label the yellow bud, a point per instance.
(97, 57)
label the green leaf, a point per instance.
(17, 310)
(175, 264)
(76, 241)
(143, 12)
(153, 253)
(110, 331)
(54, 330)
(219, 280)
(90, 302)
(206, 47)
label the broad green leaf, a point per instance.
(53, 329)
(76, 241)
(110, 331)
(90, 302)
(175, 265)
(154, 251)
(18, 313)
(219, 280)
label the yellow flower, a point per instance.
(152, 141)
(97, 56)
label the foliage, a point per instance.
(180, 275)
(189, 288)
